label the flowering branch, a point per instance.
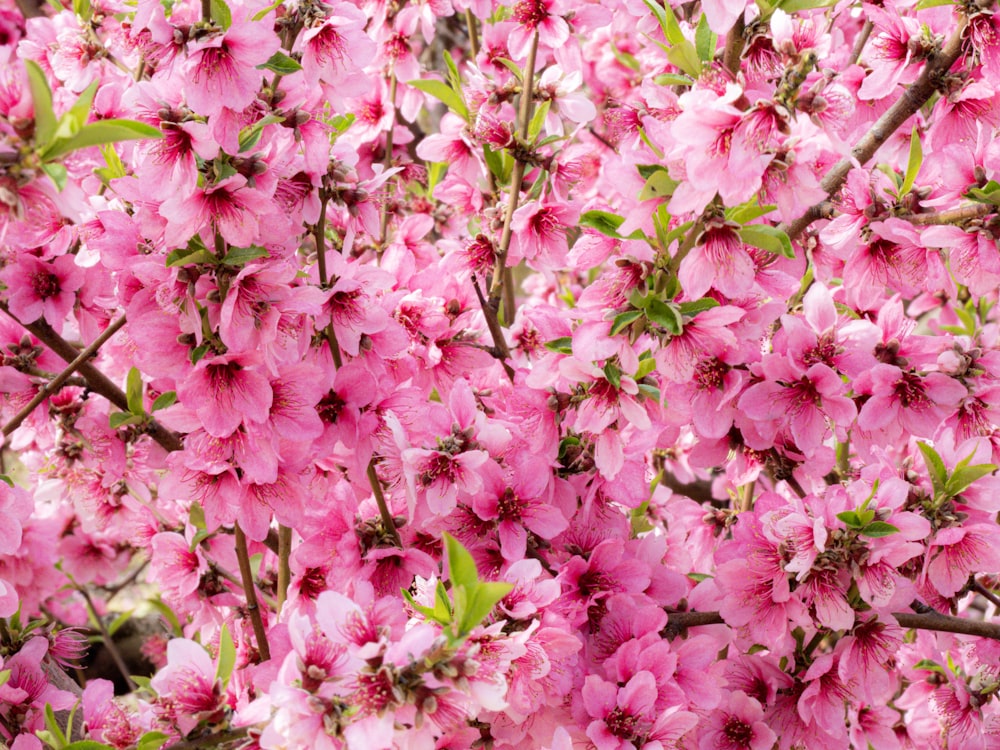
(905, 107)
(57, 382)
(249, 588)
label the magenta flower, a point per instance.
(540, 234)
(542, 16)
(337, 49)
(719, 260)
(229, 207)
(621, 716)
(906, 401)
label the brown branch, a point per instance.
(679, 621)
(860, 41)
(905, 107)
(57, 382)
(734, 47)
(951, 216)
(97, 381)
(250, 590)
(213, 740)
(700, 492)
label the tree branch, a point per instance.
(905, 107)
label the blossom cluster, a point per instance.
(488, 373)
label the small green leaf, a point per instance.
(927, 665)
(259, 15)
(562, 345)
(692, 308)
(53, 727)
(445, 93)
(461, 567)
(538, 120)
(4, 677)
(651, 392)
(936, 467)
(164, 400)
(87, 745)
(666, 316)
(56, 173)
(122, 418)
(672, 79)
(153, 740)
(281, 64)
(879, 528)
(913, 163)
(646, 366)
(454, 77)
(41, 97)
(442, 604)
(705, 40)
(493, 161)
(603, 221)
(227, 655)
(8, 481)
(748, 211)
(613, 374)
(767, 238)
(240, 256)
(511, 66)
(133, 391)
(221, 13)
(82, 9)
(850, 518)
(668, 21)
(120, 620)
(924, 4)
(794, 6)
(425, 611)
(624, 320)
(963, 477)
(658, 185)
(80, 111)
(98, 133)
(185, 256)
(480, 603)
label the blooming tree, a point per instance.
(468, 374)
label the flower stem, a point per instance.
(249, 589)
(109, 642)
(284, 570)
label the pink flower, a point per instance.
(539, 234)
(737, 725)
(229, 207)
(620, 715)
(541, 16)
(187, 688)
(222, 68)
(39, 289)
(337, 49)
(959, 551)
(227, 391)
(718, 260)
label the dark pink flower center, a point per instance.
(530, 13)
(737, 732)
(621, 724)
(509, 506)
(710, 375)
(45, 284)
(910, 391)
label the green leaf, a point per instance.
(879, 528)
(259, 15)
(705, 40)
(685, 57)
(913, 163)
(115, 168)
(658, 185)
(164, 400)
(454, 77)
(82, 9)
(562, 345)
(850, 518)
(767, 238)
(646, 366)
(53, 727)
(80, 110)
(794, 6)
(221, 14)
(153, 740)
(538, 120)
(442, 604)
(196, 516)
(494, 161)
(120, 620)
(668, 21)
(602, 221)
(613, 374)
(122, 418)
(98, 133)
(924, 4)
(9, 482)
(461, 567)
(511, 66)
(988, 193)
(425, 611)
(651, 391)
(133, 391)
(185, 256)
(87, 745)
(624, 320)
(666, 316)
(480, 603)
(41, 97)
(281, 64)
(936, 467)
(4, 677)
(692, 308)
(227, 655)
(240, 256)
(964, 476)
(56, 173)
(748, 211)
(672, 79)
(442, 91)
(927, 665)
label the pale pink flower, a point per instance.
(40, 289)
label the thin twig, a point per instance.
(734, 47)
(383, 508)
(109, 642)
(213, 740)
(250, 590)
(284, 569)
(860, 41)
(57, 382)
(952, 216)
(97, 381)
(906, 106)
